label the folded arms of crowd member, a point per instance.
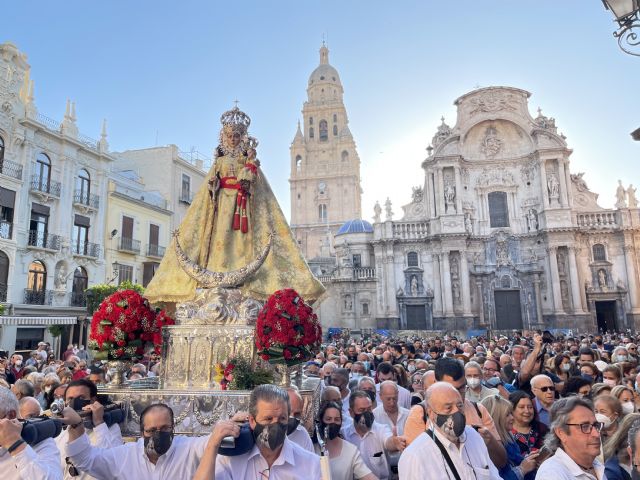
(18, 460)
(157, 454)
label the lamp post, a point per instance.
(626, 14)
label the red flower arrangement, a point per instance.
(287, 330)
(124, 324)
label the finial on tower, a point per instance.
(324, 54)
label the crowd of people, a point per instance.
(517, 408)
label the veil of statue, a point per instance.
(231, 223)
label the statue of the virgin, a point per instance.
(234, 233)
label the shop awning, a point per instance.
(44, 321)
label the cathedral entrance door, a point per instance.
(606, 316)
(416, 317)
(508, 311)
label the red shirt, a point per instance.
(79, 374)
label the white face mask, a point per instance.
(566, 367)
(602, 418)
(622, 358)
(628, 407)
(608, 381)
(473, 382)
(18, 363)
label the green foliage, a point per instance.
(2, 308)
(56, 330)
(97, 293)
(245, 377)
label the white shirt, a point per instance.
(41, 462)
(100, 436)
(293, 462)
(560, 466)
(423, 459)
(404, 397)
(371, 446)
(129, 461)
(345, 405)
(383, 417)
(301, 437)
(349, 464)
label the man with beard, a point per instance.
(273, 455)
(448, 448)
(156, 455)
(574, 436)
(371, 438)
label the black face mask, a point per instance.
(365, 419)
(292, 424)
(159, 443)
(451, 425)
(331, 430)
(79, 403)
(270, 436)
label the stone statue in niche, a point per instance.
(455, 289)
(553, 185)
(414, 286)
(502, 253)
(61, 278)
(564, 292)
(449, 196)
(348, 304)
(561, 263)
(631, 197)
(455, 270)
(377, 212)
(602, 278)
(468, 224)
(621, 196)
(388, 211)
(532, 220)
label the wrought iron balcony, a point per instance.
(86, 249)
(155, 251)
(86, 199)
(78, 299)
(11, 169)
(3, 293)
(35, 297)
(45, 185)
(129, 245)
(44, 240)
(6, 230)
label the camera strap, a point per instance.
(445, 454)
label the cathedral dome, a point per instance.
(355, 226)
(324, 73)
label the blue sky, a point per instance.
(166, 70)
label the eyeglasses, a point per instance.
(152, 431)
(587, 427)
(547, 389)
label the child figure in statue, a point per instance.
(228, 225)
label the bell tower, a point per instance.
(325, 166)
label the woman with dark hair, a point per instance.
(578, 386)
(345, 460)
(562, 368)
(527, 430)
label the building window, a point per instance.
(311, 132)
(599, 253)
(149, 270)
(37, 279)
(80, 240)
(80, 284)
(412, 259)
(43, 172)
(335, 118)
(335, 130)
(4, 275)
(298, 162)
(185, 190)
(365, 308)
(83, 185)
(324, 131)
(39, 226)
(345, 156)
(322, 212)
(498, 210)
(7, 202)
(125, 273)
(356, 259)
(310, 120)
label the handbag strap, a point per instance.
(445, 454)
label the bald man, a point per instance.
(331, 394)
(439, 452)
(295, 431)
(389, 412)
(28, 408)
(545, 391)
(428, 379)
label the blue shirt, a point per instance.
(543, 413)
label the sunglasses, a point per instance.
(547, 389)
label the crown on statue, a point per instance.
(235, 119)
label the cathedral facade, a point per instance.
(499, 235)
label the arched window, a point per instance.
(1, 149)
(498, 210)
(298, 162)
(4, 275)
(83, 187)
(311, 132)
(335, 118)
(412, 259)
(599, 253)
(335, 130)
(345, 156)
(37, 279)
(80, 284)
(310, 120)
(324, 131)
(43, 172)
(322, 212)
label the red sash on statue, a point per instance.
(240, 219)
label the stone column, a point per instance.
(465, 287)
(563, 184)
(543, 181)
(567, 179)
(536, 286)
(480, 301)
(629, 261)
(575, 282)
(81, 340)
(438, 304)
(446, 284)
(433, 193)
(555, 279)
(458, 182)
(440, 192)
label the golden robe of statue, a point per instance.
(228, 224)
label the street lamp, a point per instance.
(626, 13)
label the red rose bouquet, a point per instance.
(125, 324)
(287, 330)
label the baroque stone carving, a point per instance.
(388, 211)
(493, 102)
(527, 171)
(532, 220)
(449, 196)
(444, 132)
(495, 178)
(631, 197)
(491, 144)
(553, 186)
(579, 182)
(218, 306)
(621, 196)
(377, 211)
(417, 194)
